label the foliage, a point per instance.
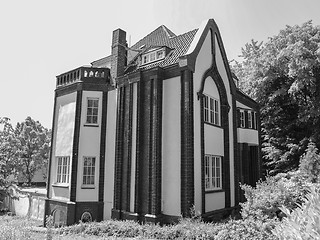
(8, 149)
(12, 228)
(33, 147)
(283, 75)
(187, 228)
(268, 196)
(310, 163)
(303, 222)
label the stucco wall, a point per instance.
(215, 201)
(171, 145)
(89, 146)
(223, 73)
(203, 63)
(250, 136)
(62, 140)
(110, 153)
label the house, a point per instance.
(152, 131)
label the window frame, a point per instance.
(90, 172)
(153, 56)
(213, 170)
(250, 122)
(92, 115)
(242, 119)
(247, 119)
(62, 170)
(211, 110)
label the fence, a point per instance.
(25, 202)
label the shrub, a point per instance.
(12, 228)
(268, 196)
(303, 222)
(250, 228)
(310, 164)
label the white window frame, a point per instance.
(255, 122)
(92, 116)
(242, 119)
(152, 56)
(250, 125)
(63, 169)
(211, 110)
(212, 172)
(89, 171)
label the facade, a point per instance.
(152, 131)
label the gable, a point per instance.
(191, 56)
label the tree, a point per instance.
(310, 163)
(8, 149)
(283, 75)
(33, 147)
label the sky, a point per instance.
(41, 39)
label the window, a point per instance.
(92, 110)
(250, 119)
(211, 110)
(88, 170)
(242, 122)
(247, 119)
(63, 169)
(153, 56)
(213, 170)
(254, 120)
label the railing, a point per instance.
(82, 74)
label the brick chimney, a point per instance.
(119, 54)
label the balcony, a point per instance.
(84, 74)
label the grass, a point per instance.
(16, 228)
(12, 228)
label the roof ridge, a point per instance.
(168, 31)
(196, 29)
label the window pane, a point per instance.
(95, 103)
(152, 56)
(89, 119)
(94, 119)
(160, 54)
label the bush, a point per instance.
(303, 222)
(250, 228)
(187, 228)
(269, 195)
(310, 164)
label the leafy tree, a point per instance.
(310, 163)
(283, 75)
(33, 147)
(8, 149)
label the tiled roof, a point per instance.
(158, 37)
(101, 61)
(162, 36)
(179, 45)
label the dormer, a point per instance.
(154, 54)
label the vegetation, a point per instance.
(283, 75)
(303, 222)
(23, 149)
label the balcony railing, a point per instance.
(83, 74)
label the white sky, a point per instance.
(40, 39)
